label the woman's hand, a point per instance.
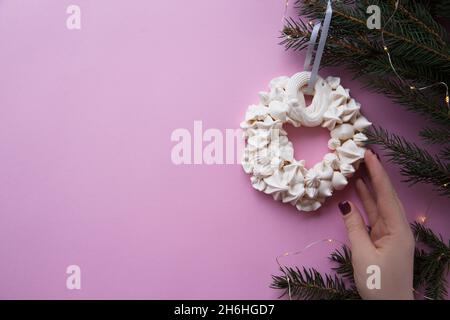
(390, 243)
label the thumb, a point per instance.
(356, 228)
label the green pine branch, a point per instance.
(444, 154)
(343, 260)
(430, 239)
(436, 135)
(309, 284)
(439, 8)
(413, 100)
(417, 165)
(431, 267)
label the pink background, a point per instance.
(86, 176)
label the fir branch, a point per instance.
(417, 164)
(429, 238)
(309, 284)
(344, 263)
(436, 135)
(417, 13)
(412, 100)
(439, 8)
(431, 268)
(445, 154)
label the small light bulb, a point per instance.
(412, 87)
(447, 99)
(385, 48)
(421, 219)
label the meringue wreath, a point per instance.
(269, 155)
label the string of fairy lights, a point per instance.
(423, 218)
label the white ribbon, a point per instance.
(320, 48)
(311, 45)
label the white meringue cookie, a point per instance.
(247, 125)
(276, 162)
(361, 124)
(294, 193)
(333, 143)
(334, 82)
(347, 169)
(277, 196)
(277, 94)
(264, 98)
(339, 96)
(268, 123)
(263, 170)
(339, 181)
(312, 179)
(308, 205)
(248, 161)
(258, 140)
(343, 132)
(350, 111)
(256, 112)
(287, 152)
(279, 82)
(312, 183)
(258, 183)
(332, 117)
(360, 139)
(324, 170)
(312, 192)
(333, 160)
(294, 172)
(349, 152)
(278, 110)
(284, 141)
(276, 183)
(325, 188)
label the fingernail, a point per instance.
(344, 207)
(378, 157)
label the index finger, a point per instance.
(387, 203)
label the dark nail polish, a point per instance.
(378, 157)
(344, 207)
